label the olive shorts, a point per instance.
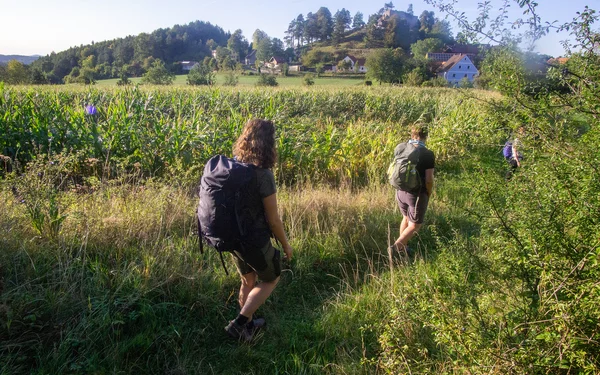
(265, 261)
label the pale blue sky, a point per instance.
(42, 26)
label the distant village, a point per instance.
(418, 50)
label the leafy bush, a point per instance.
(465, 83)
(200, 74)
(231, 79)
(413, 78)
(267, 80)
(123, 80)
(309, 80)
(158, 74)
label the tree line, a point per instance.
(385, 28)
(131, 56)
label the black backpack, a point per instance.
(223, 221)
(402, 172)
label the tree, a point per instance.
(427, 20)
(414, 78)
(123, 80)
(264, 49)
(3, 73)
(238, 44)
(299, 30)
(388, 6)
(37, 77)
(277, 48)
(200, 74)
(357, 21)
(441, 29)
(290, 34)
(324, 24)
(225, 59)
(374, 35)
(556, 234)
(398, 33)
(16, 72)
(344, 65)
(211, 44)
(421, 48)
(341, 22)
(257, 37)
(386, 65)
(158, 75)
(311, 28)
(410, 9)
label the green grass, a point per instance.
(100, 270)
(126, 288)
(250, 81)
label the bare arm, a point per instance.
(429, 180)
(270, 204)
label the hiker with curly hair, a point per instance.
(255, 209)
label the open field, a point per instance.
(100, 270)
(250, 81)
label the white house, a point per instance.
(276, 62)
(357, 65)
(457, 68)
(186, 66)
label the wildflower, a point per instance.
(90, 110)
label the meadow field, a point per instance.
(100, 271)
(251, 80)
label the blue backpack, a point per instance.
(507, 150)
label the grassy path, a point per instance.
(124, 287)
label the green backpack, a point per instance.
(402, 172)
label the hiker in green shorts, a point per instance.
(259, 260)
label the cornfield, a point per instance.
(324, 136)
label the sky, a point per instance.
(42, 26)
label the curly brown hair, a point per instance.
(419, 131)
(256, 145)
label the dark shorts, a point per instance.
(413, 206)
(265, 261)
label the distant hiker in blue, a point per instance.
(411, 173)
(512, 153)
(238, 214)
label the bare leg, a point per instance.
(248, 282)
(403, 225)
(406, 235)
(257, 296)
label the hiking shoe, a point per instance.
(257, 323)
(406, 252)
(239, 332)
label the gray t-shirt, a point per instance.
(262, 187)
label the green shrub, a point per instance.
(267, 80)
(231, 79)
(200, 74)
(309, 80)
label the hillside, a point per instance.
(132, 55)
(20, 58)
